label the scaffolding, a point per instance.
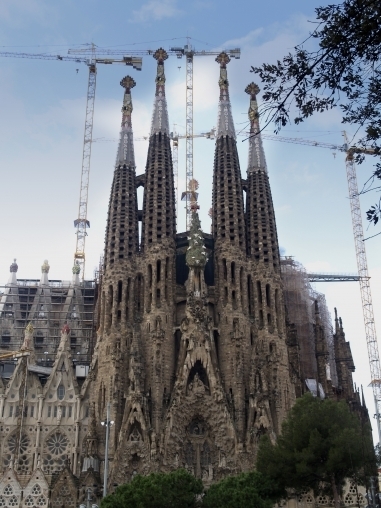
(48, 307)
(299, 298)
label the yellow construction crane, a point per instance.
(14, 354)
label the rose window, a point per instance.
(57, 443)
(56, 453)
(20, 448)
(3, 502)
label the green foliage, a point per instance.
(247, 490)
(321, 444)
(177, 489)
(337, 65)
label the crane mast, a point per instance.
(362, 267)
(362, 263)
(81, 223)
(189, 193)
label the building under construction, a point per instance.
(203, 341)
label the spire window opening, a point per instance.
(120, 291)
(250, 295)
(225, 269)
(268, 295)
(259, 292)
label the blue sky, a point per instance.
(42, 111)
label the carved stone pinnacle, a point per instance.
(252, 89)
(160, 55)
(128, 83)
(223, 59)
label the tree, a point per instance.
(246, 490)
(177, 489)
(342, 69)
(322, 443)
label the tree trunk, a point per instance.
(336, 497)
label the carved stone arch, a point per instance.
(135, 431)
(197, 427)
(198, 380)
(20, 449)
(56, 450)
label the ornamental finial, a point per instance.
(14, 267)
(160, 55)
(65, 329)
(223, 59)
(127, 82)
(45, 267)
(252, 89)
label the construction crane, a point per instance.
(81, 223)
(362, 264)
(190, 195)
(189, 52)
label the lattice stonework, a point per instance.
(21, 449)
(36, 498)
(56, 451)
(64, 498)
(8, 497)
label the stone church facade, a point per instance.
(195, 353)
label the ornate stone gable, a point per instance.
(64, 489)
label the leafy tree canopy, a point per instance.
(247, 490)
(177, 489)
(342, 69)
(322, 443)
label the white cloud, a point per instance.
(155, 10)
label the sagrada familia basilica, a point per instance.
(193, 340)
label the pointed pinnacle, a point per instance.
(127, 82)
(252, 89)
(223, 59)
(160, 55)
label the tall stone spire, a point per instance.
(262, 238)
(228, 212)
(122, 239)
(160, 121)
(256, 153)
(159, 215)
(125, 153)
(225, 124)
